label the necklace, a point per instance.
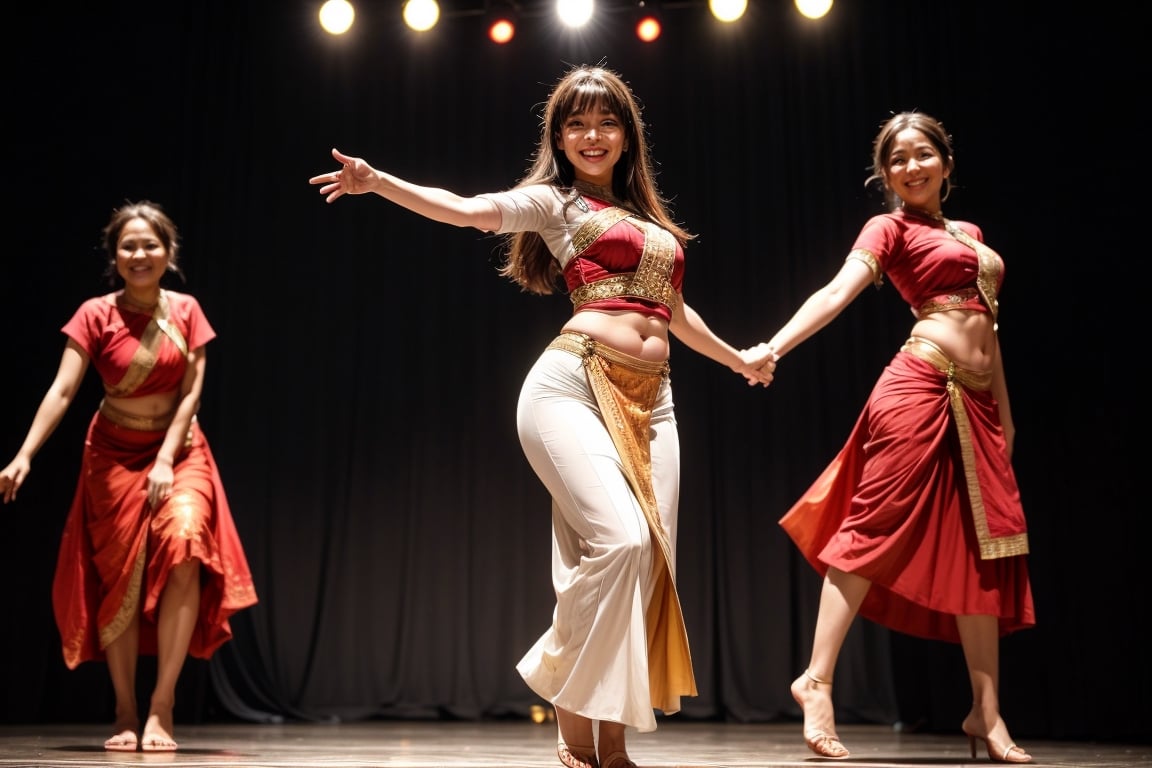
(136, 306)
(937, 216)
(598, 191)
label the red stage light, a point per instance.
(501, 31)
(648, 28)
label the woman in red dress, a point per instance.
(917, 523)
(150, 561)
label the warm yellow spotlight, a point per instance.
(727, 10)
(574, 13)
(421, 15)
(336, 16)
(814, 9)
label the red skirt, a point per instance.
(116, 552)
(894, 507)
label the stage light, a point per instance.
(421, 15)
(574, 13)
(814, 9)
(649, 23)
(501, 22)
(336, 16)
(727, 10)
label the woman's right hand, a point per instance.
(12, 477)
(355, 177)
(759, 364)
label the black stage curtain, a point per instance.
(360, 397)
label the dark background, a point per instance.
(361, 393)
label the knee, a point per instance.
(184, 575)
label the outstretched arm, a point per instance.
(690, 328)
(73, 364)
(355, 177)
(820, 308)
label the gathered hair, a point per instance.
(161, 224)
(528, 262)
(932, 128)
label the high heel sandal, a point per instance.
(1010, 754)
(571, 759)
(824, 744)
(618, 760)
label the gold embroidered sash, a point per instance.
(144, 359)
(988, 276)
(653, 276)
(626, 389)
(990, 546)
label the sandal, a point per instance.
(575, 759)
(823, 743)
(618, 760)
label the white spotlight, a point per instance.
(421, 15)
(336, 16)
(728, 10)
(574, 13)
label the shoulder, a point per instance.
(889, 221)
(183, 303)
(531, 207)
(179, 297)
(97, 306)
(883, 226)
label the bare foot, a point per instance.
(158, 733)
(815, 699)
(122, 740)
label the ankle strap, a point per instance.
(815, 679)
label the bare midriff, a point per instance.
(632, 333)
(154, 406)
(968, 337)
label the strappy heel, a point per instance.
(571, 759)
(822, 743)
(1009, 754)
(618, 760)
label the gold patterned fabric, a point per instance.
(652, 279)
(625, 389)
(990, 547)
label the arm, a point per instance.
(755, 366)
(356, 177)
(1000, 392)
(160, 477)
(73, 365)
(822, 307)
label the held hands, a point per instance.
(758, 364)
(12, 477)
(355, 177)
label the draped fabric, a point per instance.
(894, 507)
(116, 552)
(606, 447)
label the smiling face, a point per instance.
(593, 141)
(141, 256)
(915, 170)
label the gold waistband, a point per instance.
(122, 418)
(930, 352)
(583, 345)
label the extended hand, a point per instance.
(355, 177)
(11, 478)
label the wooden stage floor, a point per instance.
(521, 744)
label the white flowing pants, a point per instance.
(593, 660)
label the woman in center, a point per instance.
(595, 414)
